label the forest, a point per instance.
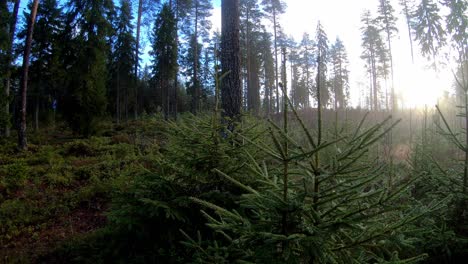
(233, 131)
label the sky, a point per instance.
(342, 18)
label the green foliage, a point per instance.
(85, 100)
(151, 202)
(427, 25)
(457, 22)
(444, 233)
(122, 63)
(164, 54)
(322, 47)
(14, 176)
(340, 79)
(4, 36)
(314, 202)
(79, 148)
(4, 118)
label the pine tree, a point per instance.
(274, 8)
(457, 25)
(197, 26)
(22, 141)
(299, 94)
(8, 58)
(148, 5)
(123, 59)
(251, 33)
(322, 47)
(374, 55)
(406, 9)
(87, 30)
(268, 71)
(307, 51)
(4, 40)
(429, 32)
(231, 92)
(340, 74)
(46, 71)
(164, 55)
(4, 15)
(388, 21)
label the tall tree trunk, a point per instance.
(276, 60)
(137, 53)
(408, 24)
(389, 41)
(195, 64)
(22, 141)
(465, 171)
(371, 87)
(247, 63)
(135, 106)
(168, 103)
(126, 103)
(374, 82)
(14, 19)
(393, 102)
(231, 93)
(307, 78)
(36, 113)
(319, 129)
(117, 103)
(267, 91)
(176, 88)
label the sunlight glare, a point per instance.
(420, 87)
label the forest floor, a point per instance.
(61, 188)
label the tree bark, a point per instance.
(22, 141)
(176, 88)
(36, 113)
(117, 103)
(196, 85)
(231, 93)
(276, 60)
(137, 51)
(14, 19)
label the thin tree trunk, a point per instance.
(22, 141)
(267, 90)
(118, 111)
(195, 64)
(319, 136)
(36, 113)
(465, 174)
(135, 107)
(374, 83)
(137, 51)
(12, 32)
(389, 41)
(247, 63)
(126, 103)
(285, 147)
(276, 60)
(408, 24)
(411, 127)
(307, 78)
(166, 112)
